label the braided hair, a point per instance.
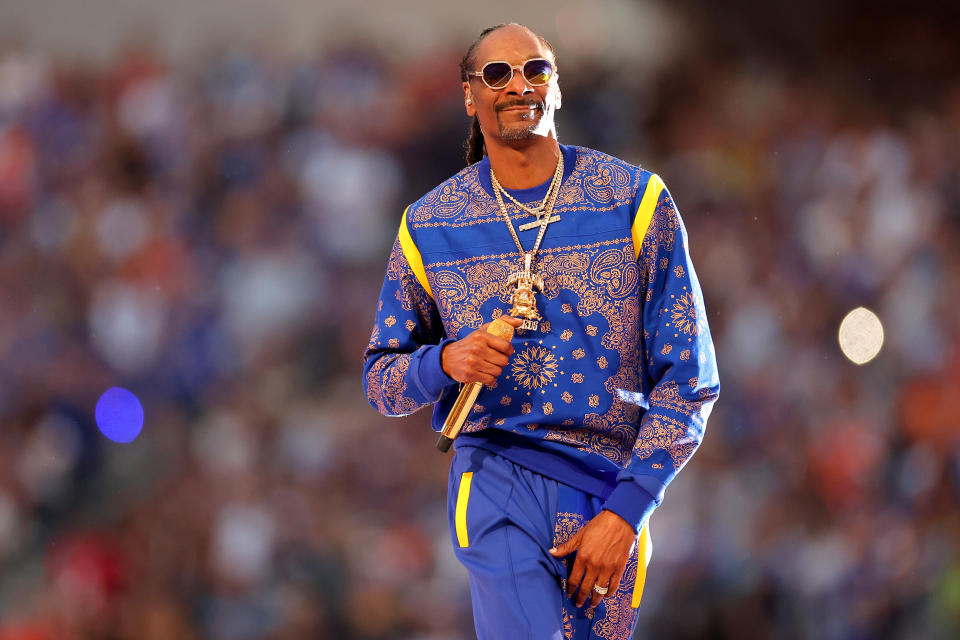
(474, 145)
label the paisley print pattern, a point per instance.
(385, 362)
(386, 383)
(662, 433)
(449, 289)
(534, 367)
(608, 181)
(613, 319)
(462, 199)
(447, 201)
(684, 314)
(598, 183)
(408, 292)
(616, 270)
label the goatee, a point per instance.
(523, 130)
(518, 133)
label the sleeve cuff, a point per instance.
(632, 502)
(430, 377)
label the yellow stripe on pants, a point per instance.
(643, 553)
(463, 497)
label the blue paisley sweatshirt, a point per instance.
(612, 394)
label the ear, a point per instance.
(468, 101)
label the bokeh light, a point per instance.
(119, 415)
(861, 335)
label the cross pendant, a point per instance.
(536, 223)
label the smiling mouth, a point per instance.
(520, 107)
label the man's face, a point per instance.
(519, 111)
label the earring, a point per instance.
(469, 101)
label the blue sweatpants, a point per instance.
(503, 520)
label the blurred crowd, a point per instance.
(213, 238)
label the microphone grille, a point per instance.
(501, 328)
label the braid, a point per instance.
(474, 145)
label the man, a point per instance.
(603, 393)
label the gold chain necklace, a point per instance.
(525, 280)
(539, 209)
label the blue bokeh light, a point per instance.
(119, 415)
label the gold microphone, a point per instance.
(468, 394)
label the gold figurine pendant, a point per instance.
(522, 298)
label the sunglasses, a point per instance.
(498, 74)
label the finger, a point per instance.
(495, 357)
(590, 577)
(499, 344)
(479, 362)
(576, 577)
(486, 373)
(516, 322)
(486, 346)
(596, 598)
(492, 364)
(483, 378)
(615, 583)
(571, 545)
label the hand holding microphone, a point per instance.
(476, 360)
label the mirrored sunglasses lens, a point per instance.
(537, 72)
(497, 74)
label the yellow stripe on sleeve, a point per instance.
(412, 254)
(644, 552)
(463, 497)
(641, 222)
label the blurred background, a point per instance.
(197, 201)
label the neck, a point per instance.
(526, 166)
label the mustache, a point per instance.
(520, 103)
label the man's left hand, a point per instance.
(603, 547)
